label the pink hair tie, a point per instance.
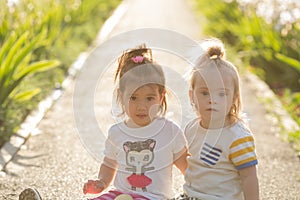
(137, 59)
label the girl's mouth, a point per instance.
(141, 115)
(211, 109)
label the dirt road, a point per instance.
(66, 149)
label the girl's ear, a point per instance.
(191, 94)
(119, 93)
(120, 96)
(163, 95)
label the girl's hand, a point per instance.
(94, 186)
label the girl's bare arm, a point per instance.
(180, 160)
(250, 184)
(107, 170)
(106, 174)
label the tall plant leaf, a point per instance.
(288, 60)
(26, 95)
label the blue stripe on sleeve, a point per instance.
(249, 164)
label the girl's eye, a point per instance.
(132, 98)
(222, 94)
(150, 98)
(204, 93)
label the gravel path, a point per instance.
(65, 149)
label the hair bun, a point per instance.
(215, 52)
(141, 50)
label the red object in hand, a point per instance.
(93, 187)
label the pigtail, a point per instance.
(215, 52)
(131, 58)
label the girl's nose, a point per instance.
(141, 105)
(212, 100)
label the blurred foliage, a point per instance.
(36, 35)
(291, 102)
(272, 47)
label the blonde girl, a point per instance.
(140, 151)
(222, 161)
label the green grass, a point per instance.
(59, 33)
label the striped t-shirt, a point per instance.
(216, 157)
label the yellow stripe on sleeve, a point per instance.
(242, 140)
(241, 152)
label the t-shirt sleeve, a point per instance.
(179, 141)
(110, 147)
(242, 152)
(189, 131)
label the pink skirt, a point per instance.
(112, 194)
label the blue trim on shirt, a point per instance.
(214, 148)
(249, 164)
(207, 161)
(210, 152)
(209, 156)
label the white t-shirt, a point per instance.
(145, 157)
(216, 157)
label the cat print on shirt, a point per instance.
(139, 155)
